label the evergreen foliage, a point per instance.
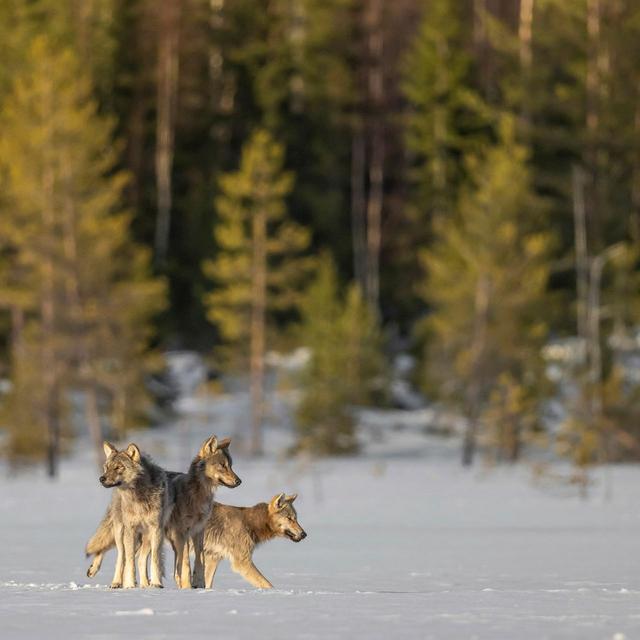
(346, 366)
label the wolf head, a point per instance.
(283, 518)
(121, 468)
(216, 462)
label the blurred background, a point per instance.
(351, 226)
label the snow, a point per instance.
(403, 543)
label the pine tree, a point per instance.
(346, 366)
(486, 282)
(445, 115)
(86, 324)
(260, 263)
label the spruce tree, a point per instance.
(486, 284)
(87, 323)
(346, 366)
(260, 263)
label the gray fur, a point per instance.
(139, 510)
(191, 497)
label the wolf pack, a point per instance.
(150, 504)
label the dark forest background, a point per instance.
(458, 180)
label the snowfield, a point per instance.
(402, 544)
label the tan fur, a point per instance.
(234, 533)
(139, 510)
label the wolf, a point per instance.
(194, 491)
(138, 513)
(192, 495)
(234, 533)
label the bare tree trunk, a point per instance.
(92, 413)
(525, 34)
(635, 183)
(593, 80)
(17, 332)
(258, 319)
(473, 399)
(582, 256)
(48, 314)
(168, 64)
(375, 86)
(358, 203)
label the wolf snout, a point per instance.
(102, 479)
(303, 535)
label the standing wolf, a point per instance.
(192, 499)
(139, 510)
(234, 533)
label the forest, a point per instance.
(456, 180)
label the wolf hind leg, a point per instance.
(211, 561)
(143, 557)
(185, 572)
(155, 540)
(179, 547)
(250, 573)
(198, 563)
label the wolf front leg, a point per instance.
(211, 561)
(143, 557)
(129, 541)
(198, 563)
(156, 539)
(250, 573)
(118, 534)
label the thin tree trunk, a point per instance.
(635, 184)
(258, 319)
(481, 313)
(375, 83)
(168, 68)
(582, 256)
(358, 204)
(592, 117)
(17, 332)
(92, 413)
(47, 314)
(525, 34)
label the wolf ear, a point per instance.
(109, 449)
(133, 452)
(224, 444)
(290, 499)
(277, 502)
(208, 447)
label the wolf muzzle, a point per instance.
(106, 485)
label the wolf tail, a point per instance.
(103, 539)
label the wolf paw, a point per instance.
(156, 585)
(116, 585)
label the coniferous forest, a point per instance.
(453, 180)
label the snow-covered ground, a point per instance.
(402, 544)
